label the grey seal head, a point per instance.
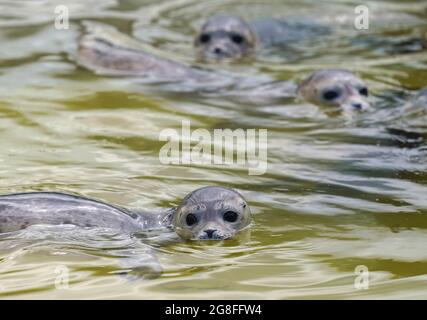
(225, 38)
(211, 213)
(337, 88)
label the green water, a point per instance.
(338, 193)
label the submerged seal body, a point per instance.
(226, 37)
(207, 213)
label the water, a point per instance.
(338, 193)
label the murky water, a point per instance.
(339, 193)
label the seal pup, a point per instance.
(226, 37)
(335, 87)
(209, 213)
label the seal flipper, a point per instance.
(136, 263)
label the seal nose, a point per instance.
(218, 50)
(357, 106)
(210, 233)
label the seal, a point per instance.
(226, 37)
(209, 213)
(106, 51)
(335, 87)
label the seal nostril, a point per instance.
(357, 106)
(210, 233)
(218, 50)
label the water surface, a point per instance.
(338, 192)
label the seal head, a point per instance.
(337, 88)
(211, 213)
(225, 38)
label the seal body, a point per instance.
(18, 211)
(279, 32)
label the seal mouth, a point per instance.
(218, 54)
(214, 237)
(220, 57)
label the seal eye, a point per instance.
(330, 95)
(204, 38)
(191, 219)
(230, 216)
(364, 91)
(237, 38)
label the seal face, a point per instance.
(337, 88)
(211, 213)
(225, 38)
